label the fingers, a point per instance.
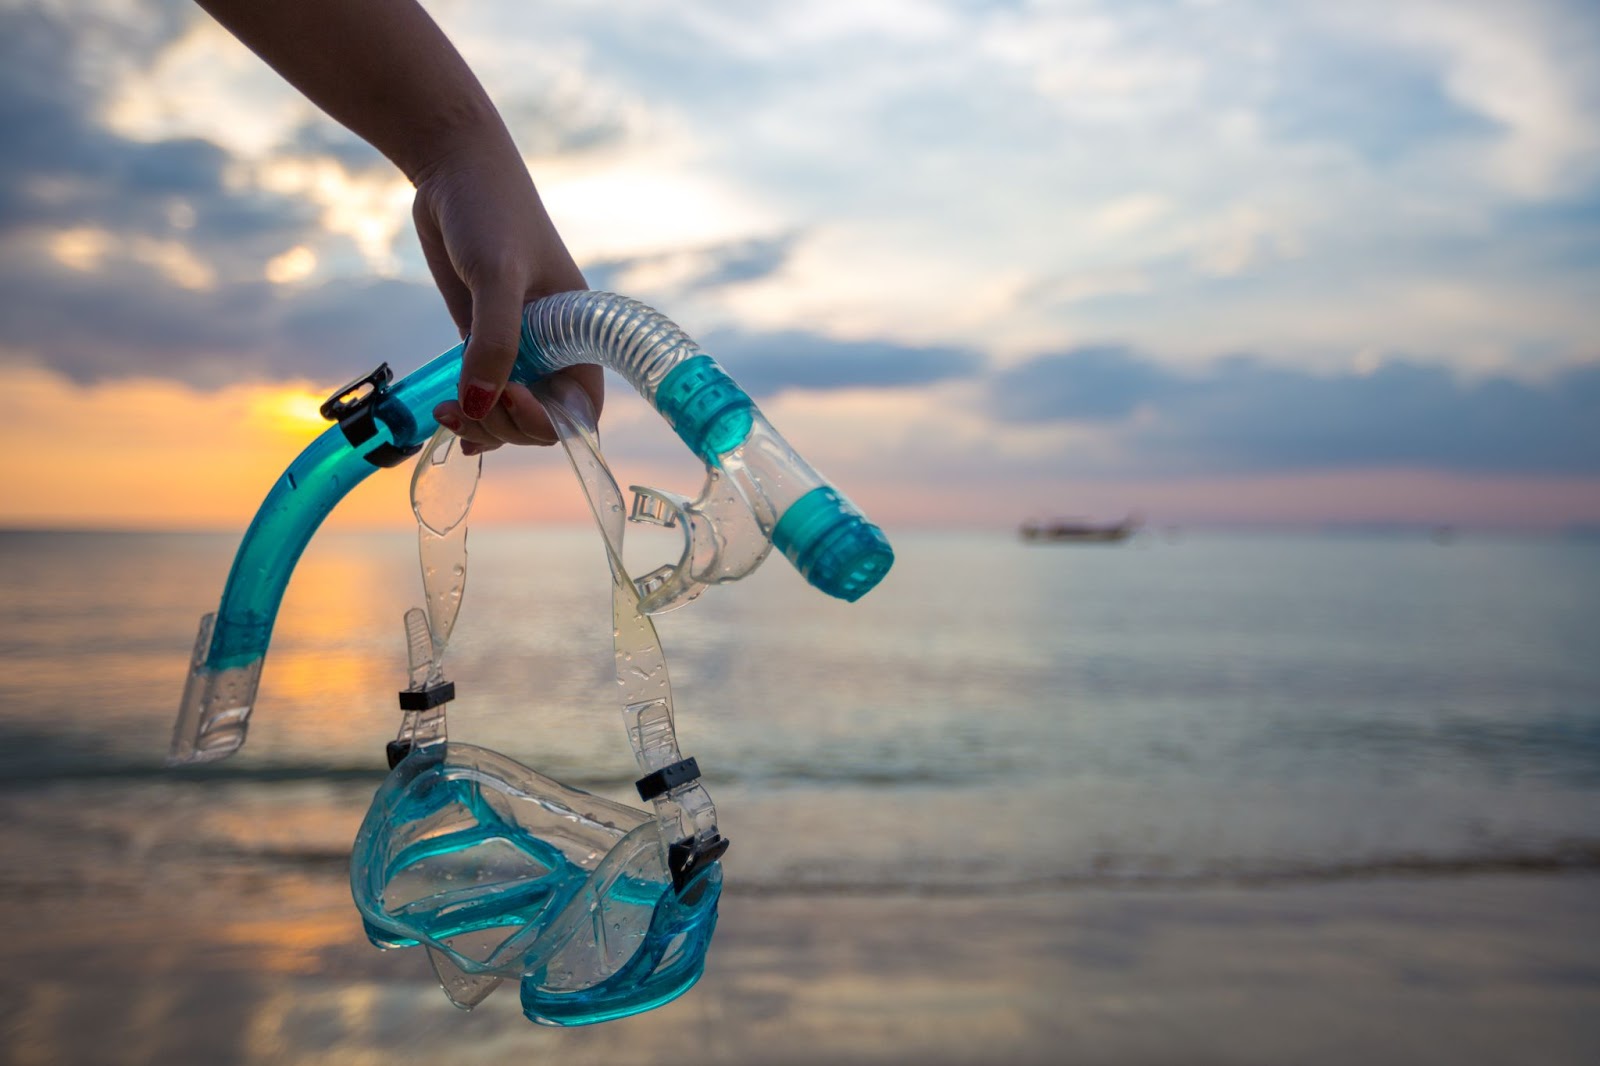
(523, 415)
(517, 418)
(474, 436)
(492, 346)
(591, 377)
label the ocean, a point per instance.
(997, 719)
(996, 715)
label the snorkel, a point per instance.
(758, 493)
(599, 909)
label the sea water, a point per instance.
(997, 716)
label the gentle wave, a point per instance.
(1576, 856)
(26, 775)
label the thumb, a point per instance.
(491, 348)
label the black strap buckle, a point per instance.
(418, 699)
(667, 778)
(688, 857)
(426, 699)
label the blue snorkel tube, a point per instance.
(758, 492)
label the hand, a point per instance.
(387, 72)
(492, 248)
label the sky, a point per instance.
(1210, 262)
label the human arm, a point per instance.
(383, 69)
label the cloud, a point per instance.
(62, 169)
(1522, 67)
(126, 321)
(693, 270)
(328, 140)
(1094, 384)
(942, 183)
(1358, 149)
(1242, 415)
(1397, 106)
(767, 363)
(127, 258)
(123, 258)
(563, 120)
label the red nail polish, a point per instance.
(478, 402)
(469, 448)
(505, 400)
(450, 422)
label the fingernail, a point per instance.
(478, 400)
(450, 422)
(505, 399)
(470, 447)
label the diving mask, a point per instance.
(599, 910)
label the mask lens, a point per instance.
(473, 853)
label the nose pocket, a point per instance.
(472, 853)
(664, 963)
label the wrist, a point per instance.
(463, 135)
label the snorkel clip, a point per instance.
(354, 410)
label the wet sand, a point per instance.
(268, 966)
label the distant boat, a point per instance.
(1072, 531)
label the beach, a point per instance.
(1475, 969)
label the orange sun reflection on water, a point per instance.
(326, 682)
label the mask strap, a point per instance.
(671, 782)
(442, 487)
